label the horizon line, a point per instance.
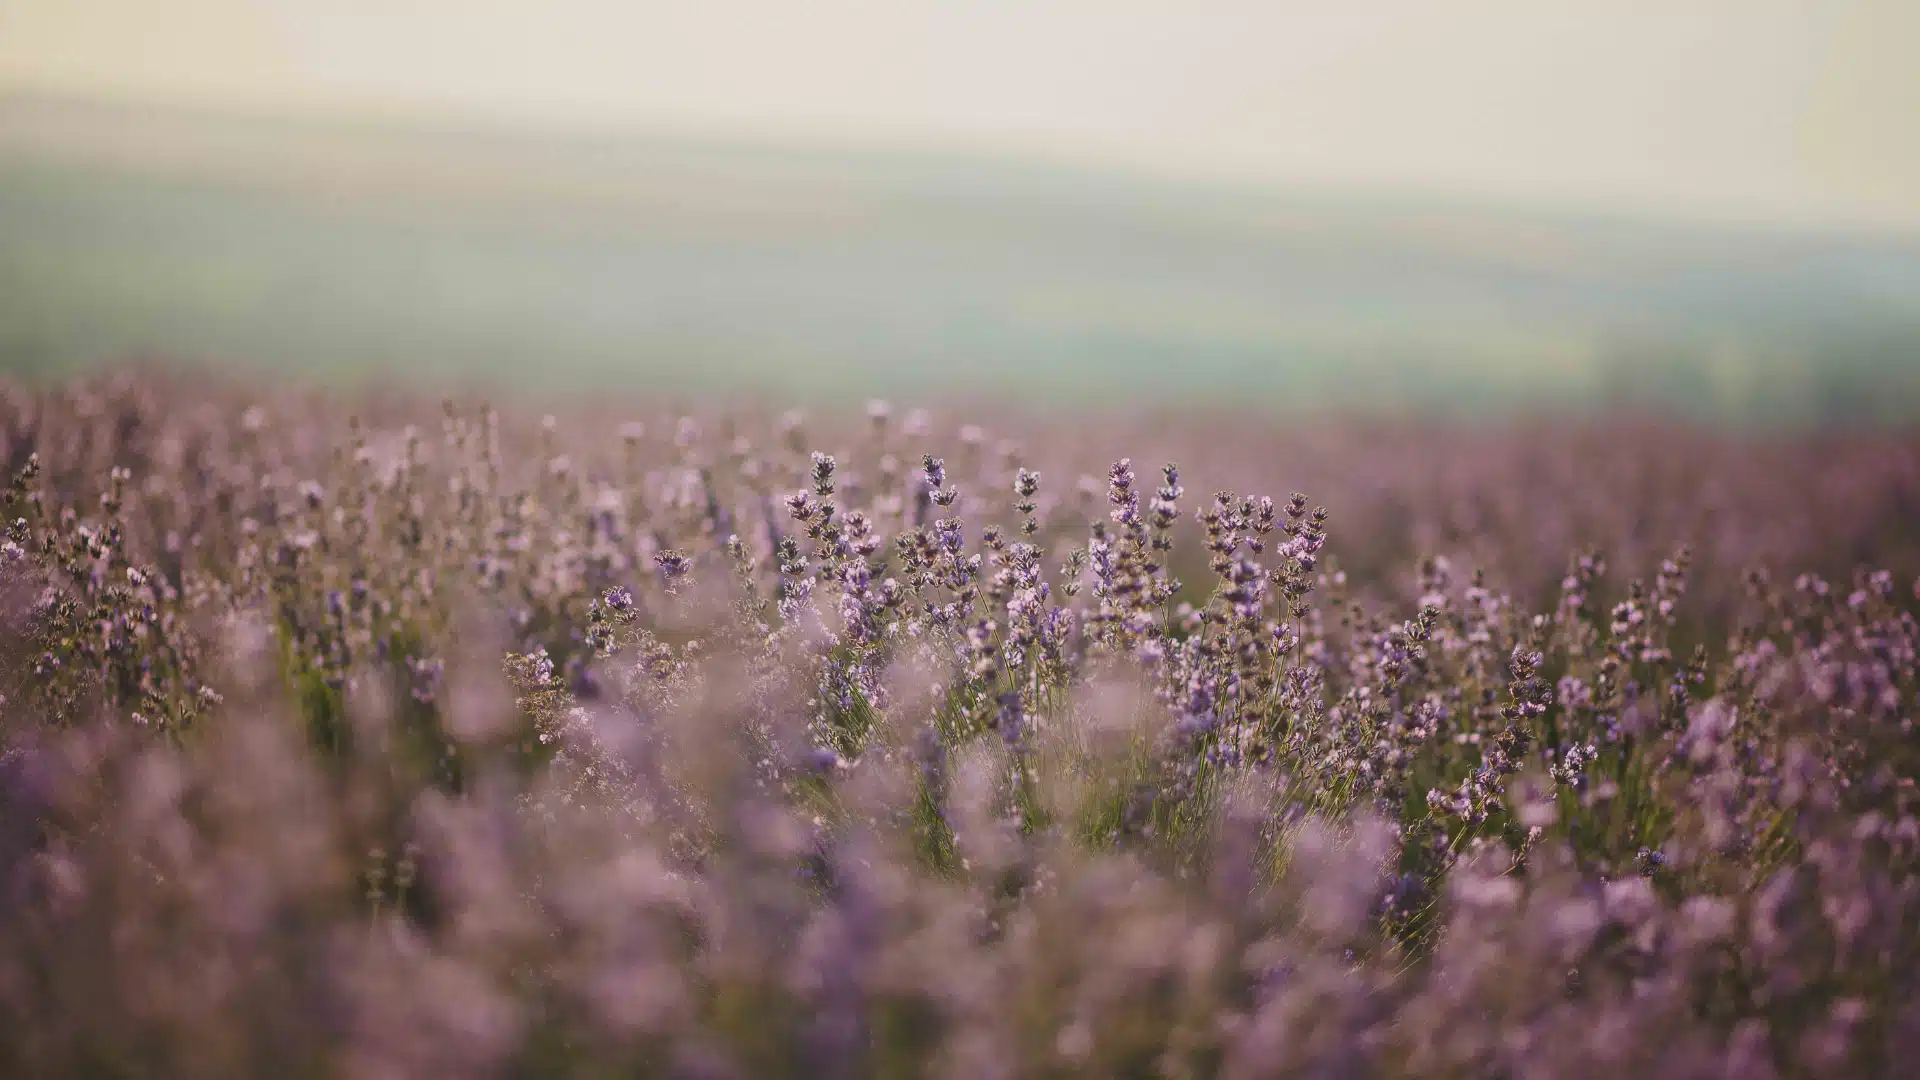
(1066, 164)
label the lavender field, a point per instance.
(360, 734)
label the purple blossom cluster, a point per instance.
(341, 739)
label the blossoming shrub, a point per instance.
(340, 741)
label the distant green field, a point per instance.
(335, 250)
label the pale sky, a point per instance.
(1764, 110)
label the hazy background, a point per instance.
(1713, 204)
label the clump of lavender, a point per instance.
(456, 741)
